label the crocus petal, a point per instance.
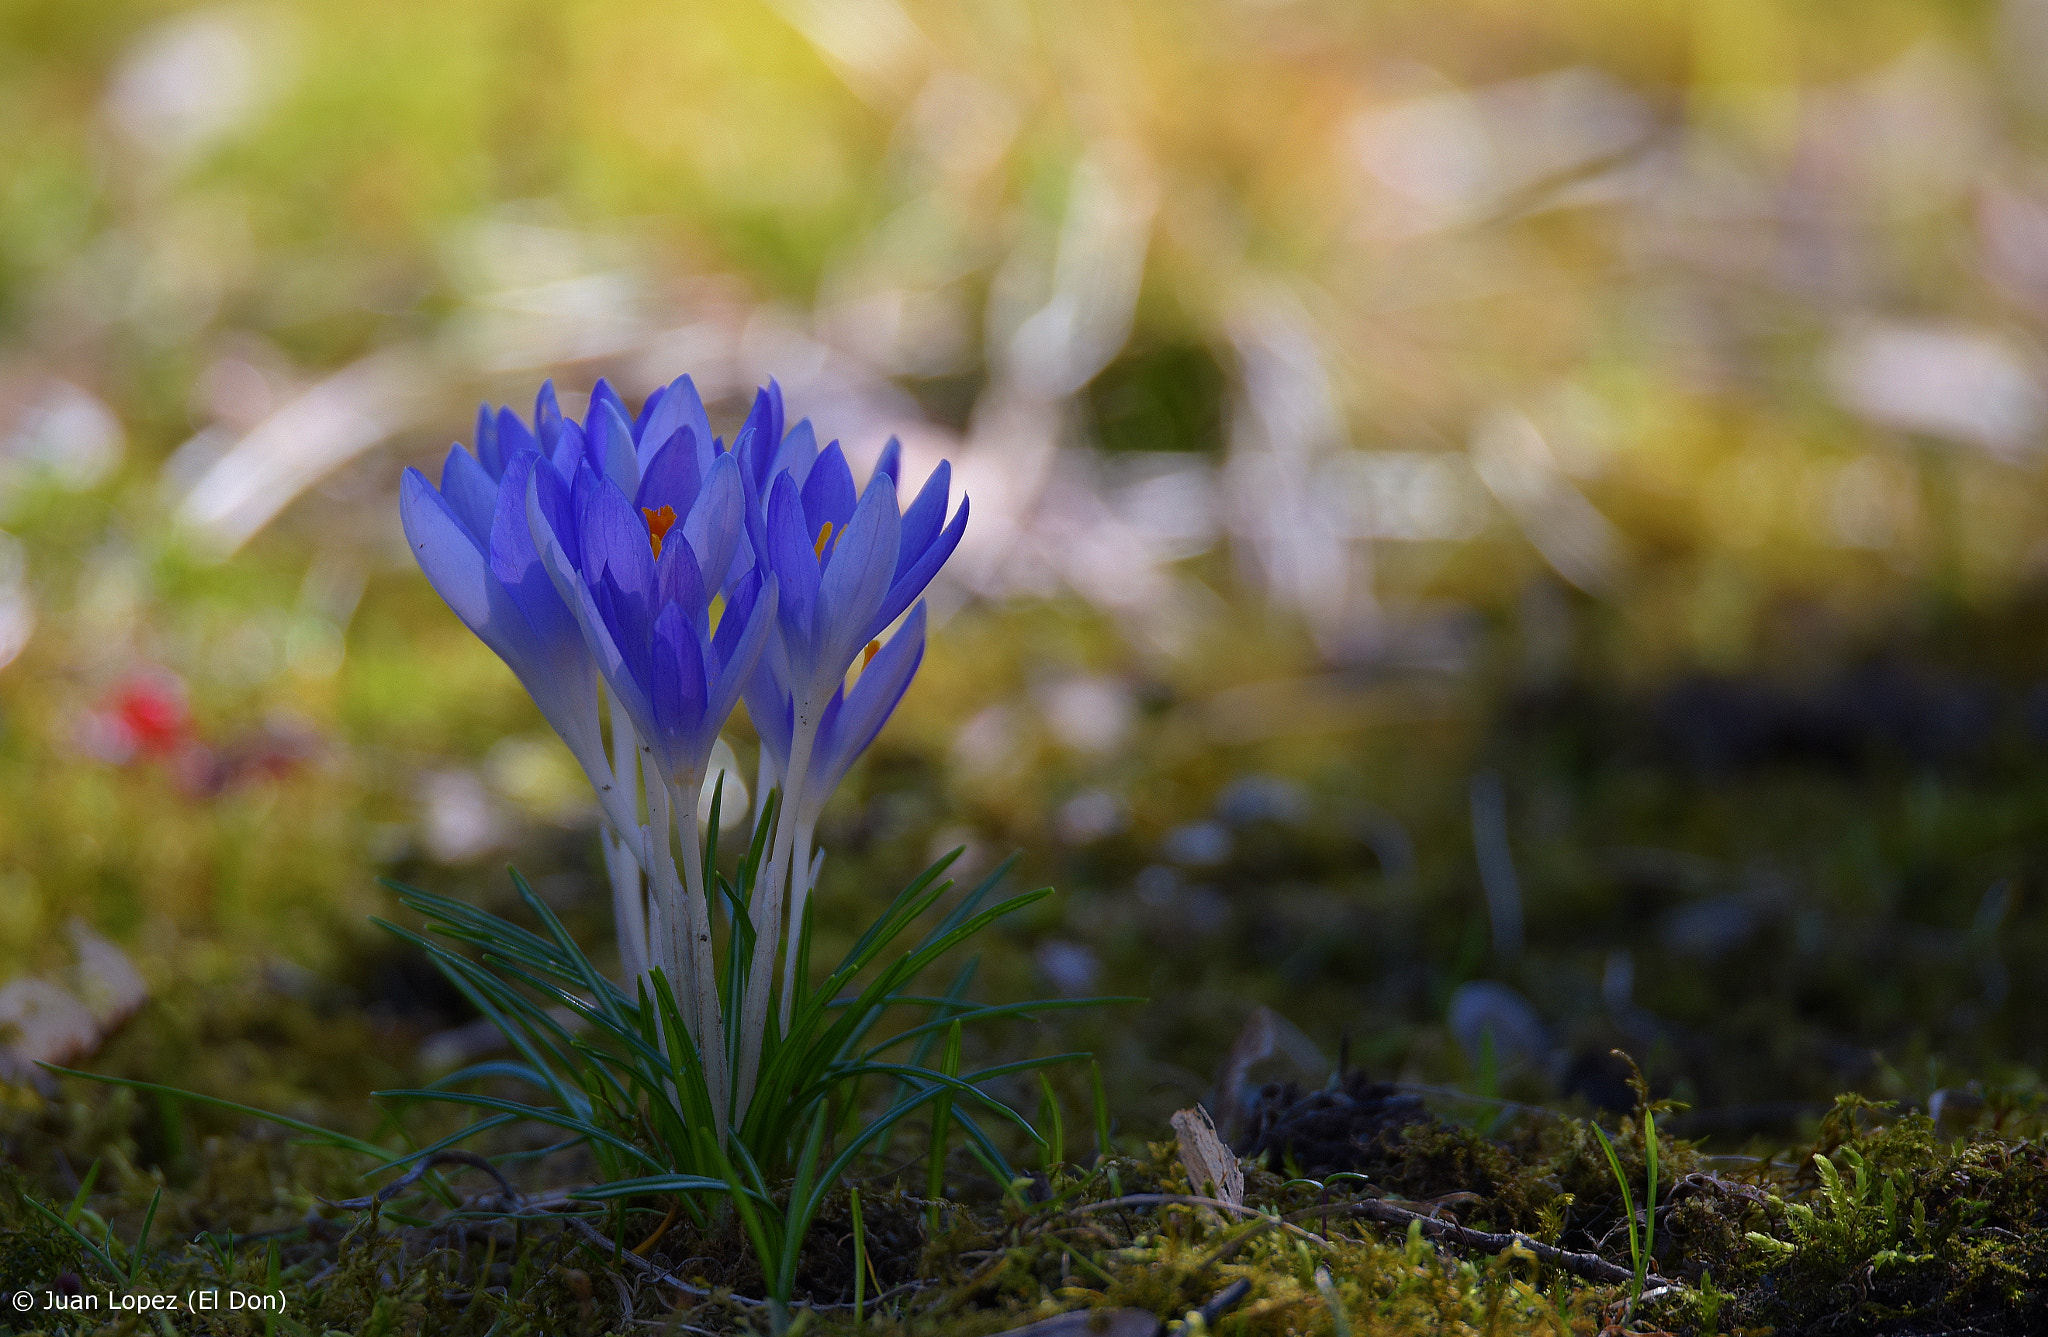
(863, 711)
(547, 416)
(647, 408)
(555, 510)
(669, 476)
(629, 620)
(487, 452)
(764, 419)
(680, 406)
(615, 538)
(760, 436)
(511, 544)
(714, 521)
(741, 603)
(773, 716)
(570, 448)
(891, 462)
(678, 579)
(753, 545)
(549, 667)
(515, 561)
(792, 557)
(602, 394)
(472, 492)
(611, 444)
(910, 583)
(829, 495)
(798, 453)
(855, 581)
(597, 637)
(678, 687)
(446, 549)
(925, 515)
(738, 652)
(514, 435)
(767, 696)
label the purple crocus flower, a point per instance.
(826, 486)
(596, 550)
(851, 719)
(471, 539)
(639, 581)
(849, 568)
(848, 564)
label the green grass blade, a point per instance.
(891, 979)
(759, 1222)
(465, 919)
(992, 1012)
(605, 995)
(78, 1199)
(711, 830)
(142, 1240)
(886, 924)
(325, 1135)
(860, 1257)
(493, 998)
(955, 993)
(942, 1111)
(1628, 1207)
(646, 1184)
(492, 1068)
(882, 1123)
(684, 1066)
(538, 1113)
(1056, 1126)
(806, 1193)
(453, 1139)
(986, 1145)
(97, 1254)
(981, 892)
(1103, 1148)
(1650, 1198)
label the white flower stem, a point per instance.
(766, 781)
(672, 952)
(801, 872)
(703, 963)
(765, 911)
(629, 904)
(621, 855)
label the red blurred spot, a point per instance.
(152, 711)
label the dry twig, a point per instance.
(1590, 1266)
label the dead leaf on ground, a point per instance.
(1210, 1165)
(42, 1021)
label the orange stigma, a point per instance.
(824, 537)
(867, 656)
(658, 523)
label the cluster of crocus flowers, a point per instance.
(634, 567)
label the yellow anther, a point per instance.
(658, 523)
(824, 537)
(867, 656)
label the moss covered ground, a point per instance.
(1367, 1210)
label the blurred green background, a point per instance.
(1499, 530)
